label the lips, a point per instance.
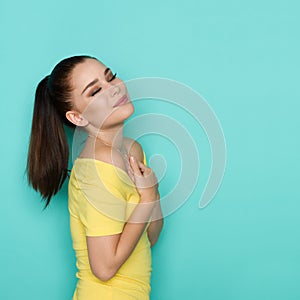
(121, 101)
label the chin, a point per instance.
(130, 108)
(125, 111)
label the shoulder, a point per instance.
(109, 155)
(134, 148)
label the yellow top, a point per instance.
(101, 199)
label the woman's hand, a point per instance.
(145, 180)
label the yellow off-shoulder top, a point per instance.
(101, 198)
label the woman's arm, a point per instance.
(108, 253)
(156, 225)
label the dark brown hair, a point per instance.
(48, 153)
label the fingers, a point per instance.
(140, 174)
(148, 181)
(134, 165)
(131, 174)
(142, 167)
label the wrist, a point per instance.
(149, 197)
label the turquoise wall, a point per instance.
(243, 58)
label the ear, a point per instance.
(76, 118)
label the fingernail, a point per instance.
(132, 158)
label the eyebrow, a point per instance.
(94, 81)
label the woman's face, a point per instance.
(97, 95)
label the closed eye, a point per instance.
(96, 91)
(113, 77)
(99, 89)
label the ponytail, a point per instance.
(48, 154)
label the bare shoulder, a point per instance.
(134, 148)
(109, 155)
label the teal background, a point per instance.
(243, 58)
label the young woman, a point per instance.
(115, 213)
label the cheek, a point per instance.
(97, 111)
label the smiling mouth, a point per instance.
(121, 101)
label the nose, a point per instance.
(114, 89)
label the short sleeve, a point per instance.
(101, 210)
(97, 223)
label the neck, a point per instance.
(112, 137)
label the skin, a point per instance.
(96, 112)
(104, 124)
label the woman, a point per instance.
(115, 213)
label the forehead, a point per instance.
(86, 72)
